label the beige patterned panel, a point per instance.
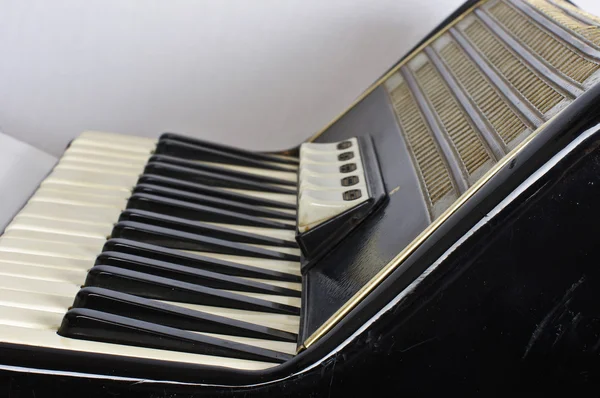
(543, 44)
(465, 139)
(585, 30)
(494, 108)
(430, 164)
(534, 89)
(576, 10)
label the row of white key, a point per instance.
(50, 245)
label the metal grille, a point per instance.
(587, 31)
(431, 166)
(535, 90)
(464, 137)
(541, 43)
(577, 11)
(499, 114)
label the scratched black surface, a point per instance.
(350, 265)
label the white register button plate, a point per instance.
(331, 181)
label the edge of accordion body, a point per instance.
(473, 96)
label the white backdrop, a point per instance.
(259, 74)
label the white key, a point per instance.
(29, 223)
(114, 137)
(48, 338)
(44, 248)
(116, 145)
(29, 318)
(83, 190)
(55, 237)
(287, 323)
(35, 301)
(136, 166)
(270, 232)
(122, 156)
(279, 197)
(293, 301)
(287, 211)
(74, 276)
(288, 222)
(287, 285)
(50, 195)
(45, 261)
(53, 288)
(97, 168)
(281, 346)
(290, 267)
(92, 179)
(286, 250)
(282, 175)
(80, 214)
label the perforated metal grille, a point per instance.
(540, 42)
(535, 90)
(499, 114)
(587, 31)
(464, 137)
(431, 166)
(576, 10)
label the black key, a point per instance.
(159, 288)
(189, 151)
(134, 307)
(174, 239)
(200, 228)
(196, 261)
(191, 211)
(211, 201)
(80, 323)
(255, 155)
(220, 170)
(211, 178)
(190, 275)
(202, 189)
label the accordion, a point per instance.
(437, 235)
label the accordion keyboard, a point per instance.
(131, 247)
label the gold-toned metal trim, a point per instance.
(408, 250)
(397, 67)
